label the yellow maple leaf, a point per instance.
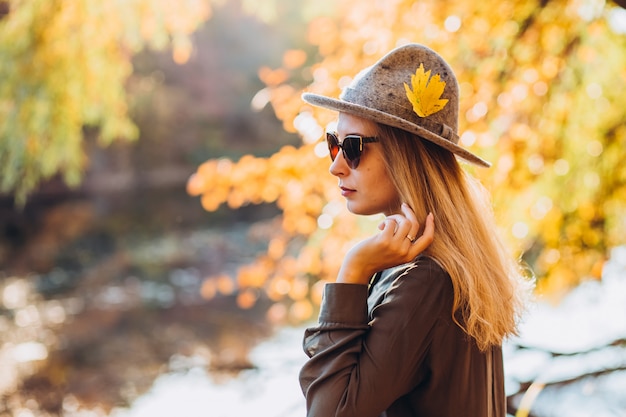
(426, 92)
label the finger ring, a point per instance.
(411, 238)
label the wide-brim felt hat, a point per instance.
(410, 88)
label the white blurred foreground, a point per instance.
(570, 360)
(271, 390)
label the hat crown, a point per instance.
(382, 87)
(411, 88)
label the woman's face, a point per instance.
(368, 188)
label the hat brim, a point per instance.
(395, 121)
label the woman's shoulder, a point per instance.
(424, 274)
(423, 267)
(427, 261)
(422, 285)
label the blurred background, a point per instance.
(167, 219)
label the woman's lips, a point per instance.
(346, 191)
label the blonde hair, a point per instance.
(489, 285)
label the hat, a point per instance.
(411, 88)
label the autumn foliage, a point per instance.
(542, 97)
(63, 66)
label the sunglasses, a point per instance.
(352, 147)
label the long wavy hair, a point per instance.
(490, 286)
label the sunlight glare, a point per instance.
(520, 230)
(344, 81)
(530, 75)
(539, 210)
(333, 208)
(535, 164)
(592, 180)
(617, 20)
(590, 9)
(540, 88)
(325, 221)
(320, 75)
(30, 351)
(452, 24)
(260, 99)
(431, 31)
(595, 148)
(321, 150)
(468, 138)
(594, 91)
(308, 127)
(480, 109)
(15, 294)
(552, 256)
(505, 100)
(561, 167)
(520, 92)
(27, 316)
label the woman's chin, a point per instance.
(360, 209)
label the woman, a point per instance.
(411, 327)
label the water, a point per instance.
(271, 389)
(100, 297)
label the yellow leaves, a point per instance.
(425, 92)
(64, 65)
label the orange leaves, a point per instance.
(284, 178)
(279, 92)
(296, 180)
(294, 58)
(273, 77)
(323, 32)
(221, 284)
(181, 49)
(255, 274)
(540, 98)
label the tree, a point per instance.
(63, 67)
(541, 97)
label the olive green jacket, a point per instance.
(393, 350)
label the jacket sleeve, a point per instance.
(358, 368)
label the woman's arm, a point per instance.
(358, 368)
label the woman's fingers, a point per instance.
(389, 226)
(427, 237)
(400, 226)
(415, 226)
(404, 228)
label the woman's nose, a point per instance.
(339, 167)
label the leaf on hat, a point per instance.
(426, 92)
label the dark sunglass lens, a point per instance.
(352, 149)
(351, 146)
(333, 145)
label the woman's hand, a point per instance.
(396, 244)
